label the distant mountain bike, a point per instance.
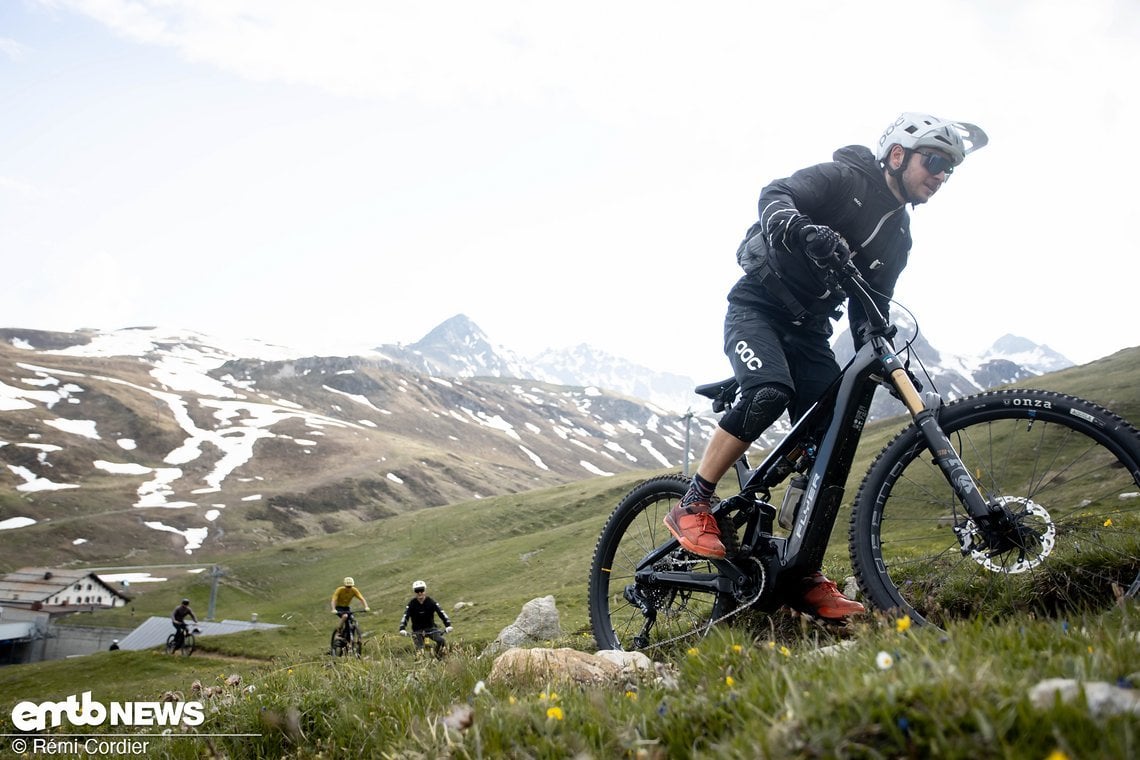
(1004, 501)
(187, 647)
(436, 636)
(351, 641)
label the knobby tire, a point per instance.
(633, 529)
(1066, 469)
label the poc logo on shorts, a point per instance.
(748, 356)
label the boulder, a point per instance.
(537, 623)
(553, 665)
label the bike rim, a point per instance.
(1072, 533)
(681, 614)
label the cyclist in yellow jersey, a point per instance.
(342, 601)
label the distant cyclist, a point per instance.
(178, 618)
(421, 611)
(342, 601)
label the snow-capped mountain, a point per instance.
(1008, 360)
(459, 348)
(145, 442)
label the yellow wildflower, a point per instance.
(554, 713)
(729, 681)
(902, 625)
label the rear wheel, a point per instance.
(617, 599)
(1065, 475)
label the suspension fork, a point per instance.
(942, 450)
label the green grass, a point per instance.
(751, 689)
(957, 694)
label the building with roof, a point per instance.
(58, 590)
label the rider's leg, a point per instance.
(440, 643)
(753, 343)
(813, 365)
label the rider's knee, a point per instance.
(755, 411)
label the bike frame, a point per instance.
(822, 445)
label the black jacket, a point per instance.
(423, 615)
(848, 194)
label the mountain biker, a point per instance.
(178, 618)
(777, 327)
(421, 611)
(342, 601)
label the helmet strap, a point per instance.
(898, 173)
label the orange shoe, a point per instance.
(822, 597)
(695, 529)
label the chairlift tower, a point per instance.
(215, 573)
(688, 418)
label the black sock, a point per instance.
(699, 490)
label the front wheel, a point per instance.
(338, 645)
(1063, 475)
(618, 602)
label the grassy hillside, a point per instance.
(746, 691)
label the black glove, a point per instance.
(824, 246)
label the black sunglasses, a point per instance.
(936, 164)
(420, 590)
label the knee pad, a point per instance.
(755, 412)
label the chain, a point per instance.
(703, 630)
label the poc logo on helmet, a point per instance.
(748, 356)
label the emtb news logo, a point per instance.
(81, 710)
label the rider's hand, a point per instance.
(403, 632)
(447, 629)
(368, 609)
(824, 246)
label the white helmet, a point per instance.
(912, 131)
(419, 586)
(348, 581)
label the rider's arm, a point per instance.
(404, 619)
(442, 614)
(360, 596)
(786, 205)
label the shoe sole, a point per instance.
(688, 545)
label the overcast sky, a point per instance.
(337, 175)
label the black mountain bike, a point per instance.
(349, 641)
(1003, 501)
(434, 635)
(186, 648)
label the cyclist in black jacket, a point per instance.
(421, 612)
(778, 326)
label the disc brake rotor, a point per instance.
(1030, 538)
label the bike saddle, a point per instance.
(722, 393)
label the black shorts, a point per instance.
(765, 349)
